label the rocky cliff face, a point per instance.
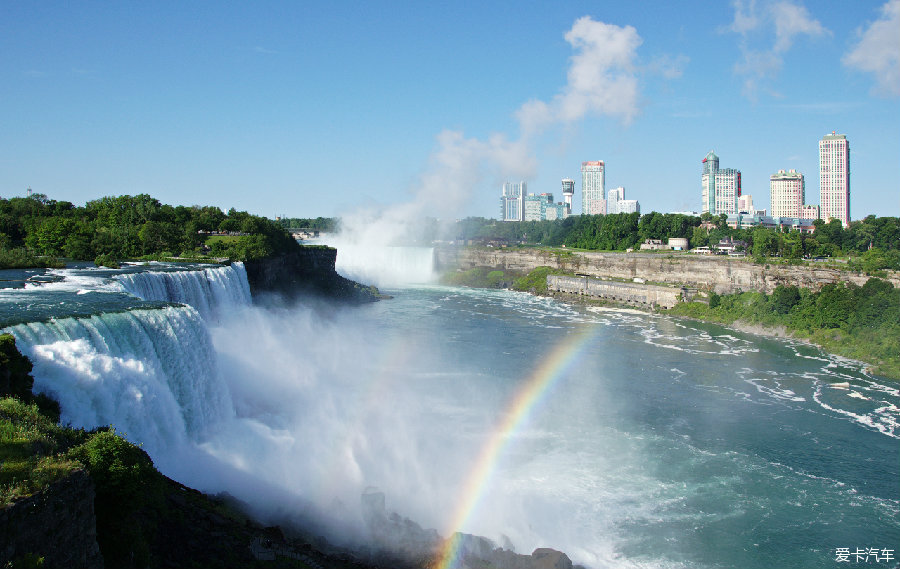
(57, 524)
(307, 272)
(719, 274)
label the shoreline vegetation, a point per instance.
(39, 232)
(857, 322)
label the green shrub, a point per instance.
(22, 258)
(784, 298)
(106, 260)
(32, 449)
(495, 279)
(535, 281)
(478, 277)
(129, 492)
(15, 370)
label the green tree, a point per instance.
(766, 243)
(699, 237)
(159, 236)
(834, 305)
(784, 298)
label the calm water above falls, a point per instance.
(652, 442)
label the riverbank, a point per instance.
(860, 347)
(848, 314)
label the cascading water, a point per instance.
(152, 373)
(385, 266)
(209, 290)
(148, 368)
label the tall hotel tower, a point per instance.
(787, 193)
(721, 188)
(834, 178)
(568, 191)
(512, 201)
(593, 186)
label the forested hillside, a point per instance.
(36, 231)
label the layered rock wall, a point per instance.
(716, 273)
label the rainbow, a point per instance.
(521, 408)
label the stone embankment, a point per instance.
(625, 293)
(723, 275)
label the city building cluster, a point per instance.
(720, 193)
(516, 204)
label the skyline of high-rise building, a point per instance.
(720, 188)
(834, 178)
(613, 197)
(568, 190)
(787, 193)
(593, 188)
(512, 201)
(536, 206)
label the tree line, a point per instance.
(36, 231)
(874, 240)
(323, 224)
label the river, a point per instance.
(622, 438)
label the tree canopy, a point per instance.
(129, 227)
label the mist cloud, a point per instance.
(602, 80)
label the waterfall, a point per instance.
(385, 266)
(209, 290)
(150, 373)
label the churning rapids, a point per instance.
(623, 439)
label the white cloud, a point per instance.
(602, 78)
(784, 20)
(878, 50)
(792, 20)
(745, 19)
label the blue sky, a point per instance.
(320, 108)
